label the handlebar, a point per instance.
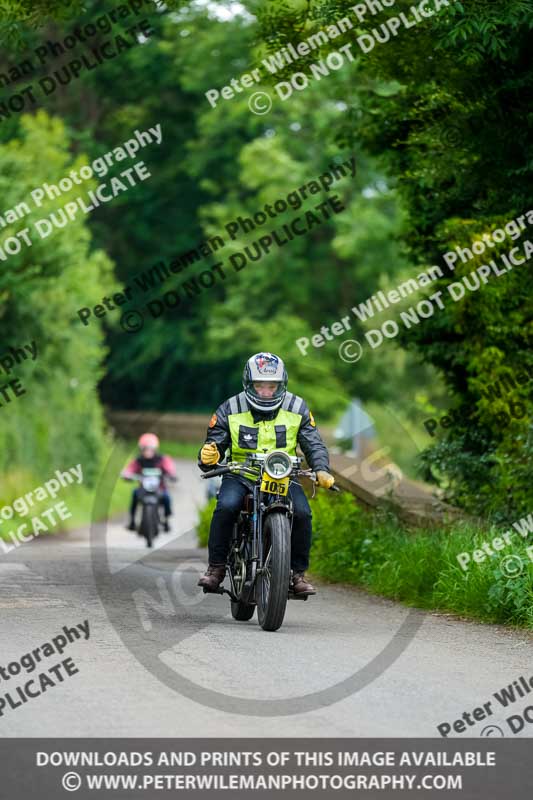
(138, 476)
(224, 470)
(214, 472)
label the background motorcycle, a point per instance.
(149, 499)
(260, 555)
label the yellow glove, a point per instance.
(324, 479)
(209, 454)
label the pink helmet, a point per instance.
(149, 440)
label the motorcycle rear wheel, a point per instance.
(273, 582)
(240, 611)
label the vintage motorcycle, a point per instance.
(149, 498)
(260, 555)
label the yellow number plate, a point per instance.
(274, 486)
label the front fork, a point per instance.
(255, 565)
(258, 531)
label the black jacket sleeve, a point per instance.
(219, 433)
(309, 439)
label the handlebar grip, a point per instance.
(334, 488)
(214, 472)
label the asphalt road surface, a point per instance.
(163, 659)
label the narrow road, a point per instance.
(163, 659)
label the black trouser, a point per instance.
(229, 504)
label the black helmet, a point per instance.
(268, 368)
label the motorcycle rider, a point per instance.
(150, 458)
(264, 416)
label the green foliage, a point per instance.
(19, 16)
(228, 162)
(79, 500)
(439, 120)
(204, 522)
(445, 107)
(420, 568)
(59, 420)
(378, 553)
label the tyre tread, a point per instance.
(277, 605)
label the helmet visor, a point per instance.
(266, 391)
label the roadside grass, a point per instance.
(78, 498)
(419, 567)
(204, 521)
(377, 552)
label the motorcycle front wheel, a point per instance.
(149, 523)
(273, 582)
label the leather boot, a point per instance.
(301, 584)
(213, 577)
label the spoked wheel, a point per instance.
(239, 610)
(273, 581)
(149, 523)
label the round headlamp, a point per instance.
(278, 464)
